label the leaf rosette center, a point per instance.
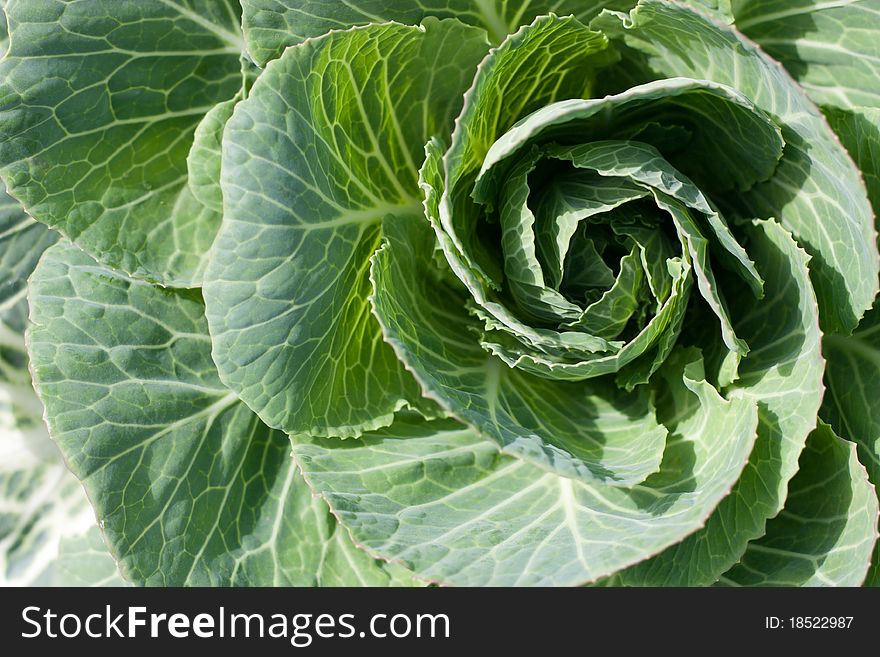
(582, 229)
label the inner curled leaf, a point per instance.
(589, 221)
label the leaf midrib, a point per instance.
(365, 216)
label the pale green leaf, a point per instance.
(721, 10)
(205, 156)
(724, 128)
(327, 145)
(41, 506)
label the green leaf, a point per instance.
(643, 164)
(271, 25)
(4, 31)
(591, 432)
(782, 374)
(487, 139)
(444, 502)
(42, 505)
(511, 330)
(826, 533)
(815, 191)
(831, 48)
(715, 154)
(22, 242)
(189, 486)
(327, 146)
(567, 56)
(98, 105)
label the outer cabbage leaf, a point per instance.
(98, 104)
(446, 504)
(327, 145)
(189, 486)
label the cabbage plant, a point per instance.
(459, 291)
